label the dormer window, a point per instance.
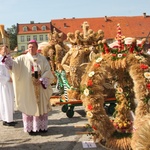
(43, 28)
(25, 29)
(34, 28)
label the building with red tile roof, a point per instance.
(131, 26)
(28, 31)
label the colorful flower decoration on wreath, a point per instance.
(146, 75)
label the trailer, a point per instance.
(68, 106)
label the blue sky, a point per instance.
(24, 11)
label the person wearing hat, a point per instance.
(32, 78)
(6, 91)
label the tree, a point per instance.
(12, 36)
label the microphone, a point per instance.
(36, 74)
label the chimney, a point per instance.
(65, 25)
(105, 18)
(144, 14)
(31, 22)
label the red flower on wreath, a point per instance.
(90, 83)
(148, 86)
(124, 54)
(94, 127)
(106, 48)
(96, 65)
(143, 66)
(114, 55)
(90, 107)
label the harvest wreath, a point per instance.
(131, 76)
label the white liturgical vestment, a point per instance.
(6, 94)
(25, 96)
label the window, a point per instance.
(28, 38)
(25, 29)
(43, 28)
(22, 38)
(34, 28)
(35, 37)
(22, 48)
(46, 37)
(41, 37)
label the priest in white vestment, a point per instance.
(32, 78)
(6, 92)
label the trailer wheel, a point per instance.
(70, 113)
(64, 108)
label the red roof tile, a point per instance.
(134, 26)
(30, 31)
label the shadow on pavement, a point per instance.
(59, 145)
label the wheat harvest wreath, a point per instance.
(129, 72)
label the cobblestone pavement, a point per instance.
(61, 135)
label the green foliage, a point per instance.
(12, 36)
(146, 99)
